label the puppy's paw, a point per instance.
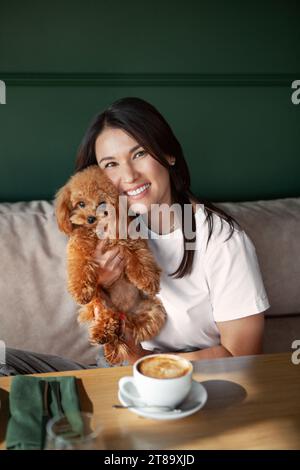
(105, 328)
(85, 295)
(85, 315)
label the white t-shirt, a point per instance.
(225, 284)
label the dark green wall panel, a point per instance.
(220, 72)
(205, 36)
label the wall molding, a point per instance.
(147, 79)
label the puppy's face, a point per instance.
(87, 200)
(87, 210)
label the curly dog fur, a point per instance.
(77, 206)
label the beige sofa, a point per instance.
(38, 314)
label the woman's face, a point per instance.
(130, 167)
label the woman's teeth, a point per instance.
(139, 190)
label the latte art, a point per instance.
(160, 367)
(160, 380)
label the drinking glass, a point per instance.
(79, 430)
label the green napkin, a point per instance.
(27, 424)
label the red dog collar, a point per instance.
(122, 316)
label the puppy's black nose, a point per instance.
(91, 219)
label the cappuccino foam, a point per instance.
(160, 367)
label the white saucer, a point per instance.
(195, 400)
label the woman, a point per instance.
(133, 144)
(211, 285)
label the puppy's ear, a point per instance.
(62, 209)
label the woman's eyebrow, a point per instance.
(111, 158)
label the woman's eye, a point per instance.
(81, 204)
(106, 166)
(141, 151)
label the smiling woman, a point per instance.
(136, 147)
(118, 135)
(134, 172)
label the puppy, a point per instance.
(130, 303)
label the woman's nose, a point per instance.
(129, 174)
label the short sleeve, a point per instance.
(234, 278)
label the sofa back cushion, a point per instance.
(37, 313)
(274, 228)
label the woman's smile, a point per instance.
(133, 170)
(139, 193)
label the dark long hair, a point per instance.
(149, 128)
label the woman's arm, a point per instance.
(241, 337)
(244, 336)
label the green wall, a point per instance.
(219, 71)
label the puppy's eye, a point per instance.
(81, 204)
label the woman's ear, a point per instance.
(62, 209)
(171, 160)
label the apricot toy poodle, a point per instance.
(130, 303)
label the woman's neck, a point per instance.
(162, 221)
(165, 221)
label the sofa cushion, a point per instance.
(274, 228)
(37, 313)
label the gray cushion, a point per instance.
(274, 228)
(37, 313)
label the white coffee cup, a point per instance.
(169, 384)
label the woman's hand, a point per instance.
(111, 263)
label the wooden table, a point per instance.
(253, 403)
